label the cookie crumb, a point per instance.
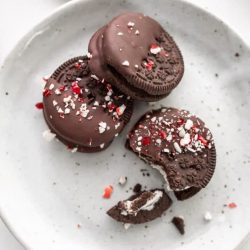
(137, 188)
(179, 224)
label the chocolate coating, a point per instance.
(140, 50)
(100, 68)
(81, 110)
(179, 144)
(142, 216)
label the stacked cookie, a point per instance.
(136, 55)
(88, 101)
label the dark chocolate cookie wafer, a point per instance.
(179, 145)
(141, 207)
(139, 49)
(84, 113)
(102, 70)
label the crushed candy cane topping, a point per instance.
(175, 131)
(76, 97)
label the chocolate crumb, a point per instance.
(237, 54)
(137, 188)
(124, 155)
(148, 174)
(6, 93)
(179, 223)
(216, 75)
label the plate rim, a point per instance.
(53, 15)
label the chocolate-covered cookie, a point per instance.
(102, 70)
(84, 113)
(140, 50)
(141, 207)
(179, 145)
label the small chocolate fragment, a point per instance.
(179, 223)
(137, 188)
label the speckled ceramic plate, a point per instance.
(52, 199)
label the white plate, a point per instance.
(45, 194)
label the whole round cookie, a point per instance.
(139, 49)
(179, 145)
(84, 113)
(102, 70)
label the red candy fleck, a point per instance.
(46, 92)
(203, 141)
(39, 105)
(180, 121)
(162, 134)
(109, 87)
(62, 88)
(149, 65)
(80, 99)
(75, 88)
(77, 65)
(107, 192)
(146, 141)
(232, 205)
(111, 106)
(154, 46)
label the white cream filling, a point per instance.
(149, 205)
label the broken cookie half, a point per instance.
(141, 207)
(177, 144)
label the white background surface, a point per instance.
(17, 17)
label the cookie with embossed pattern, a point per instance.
(179, 145)
(84, 113)
(102, 70)
(137, 47)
